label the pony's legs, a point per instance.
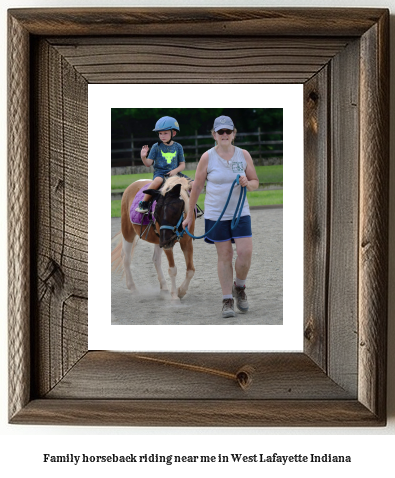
(187, 249)
(127, 248)
(157, 260)
(172, 272)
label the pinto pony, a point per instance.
(171, 204)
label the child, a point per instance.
(167, 156)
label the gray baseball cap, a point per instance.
(223, 122)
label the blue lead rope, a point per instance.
(237, 214)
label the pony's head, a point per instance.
(172, 202)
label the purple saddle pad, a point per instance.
(137, 217)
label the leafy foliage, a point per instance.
(141, 121)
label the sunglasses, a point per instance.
(222, 131)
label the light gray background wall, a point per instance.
(369, 453)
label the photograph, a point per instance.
(214, 207)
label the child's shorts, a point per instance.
(165, 176)
(223, 232)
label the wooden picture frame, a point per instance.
(342, 58)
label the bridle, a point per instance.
(176, 227)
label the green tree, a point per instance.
(141, 121)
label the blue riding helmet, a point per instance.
(166, 123)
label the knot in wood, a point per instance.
(244, 376)
(313, 96)
(309, 331)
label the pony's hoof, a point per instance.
(133, 290)
(175, 297)
(181, 293)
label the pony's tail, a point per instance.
(117, 253)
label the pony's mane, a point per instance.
(185, 187)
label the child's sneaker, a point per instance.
(143, 207)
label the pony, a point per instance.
(172, 202)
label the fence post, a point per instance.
(132, 148)
(196, 146)
(259, 144)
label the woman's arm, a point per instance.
(250, 180)
(197, 188)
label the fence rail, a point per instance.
(126, 152)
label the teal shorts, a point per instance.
(223, 231)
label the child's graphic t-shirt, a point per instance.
(166, 157)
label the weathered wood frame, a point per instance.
(342, 58)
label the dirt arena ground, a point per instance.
(203, 302)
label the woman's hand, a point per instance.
(243, 181)
(187, 221)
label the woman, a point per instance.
(220, 167)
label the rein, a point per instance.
(175, 228)
(151, 222)
(236, 216)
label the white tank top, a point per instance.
(220, 176)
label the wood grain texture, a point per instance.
(343, 226)
(18, 218)
(197, 59)
(316, 214)
(175, 22)
(373, 233)
(344, 306)
(196, 376)
(202, 413)
(61, 201)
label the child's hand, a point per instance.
(144, 151)
(173, 172)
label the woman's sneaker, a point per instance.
(228, 308)
(143, 207)
(239, 293)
